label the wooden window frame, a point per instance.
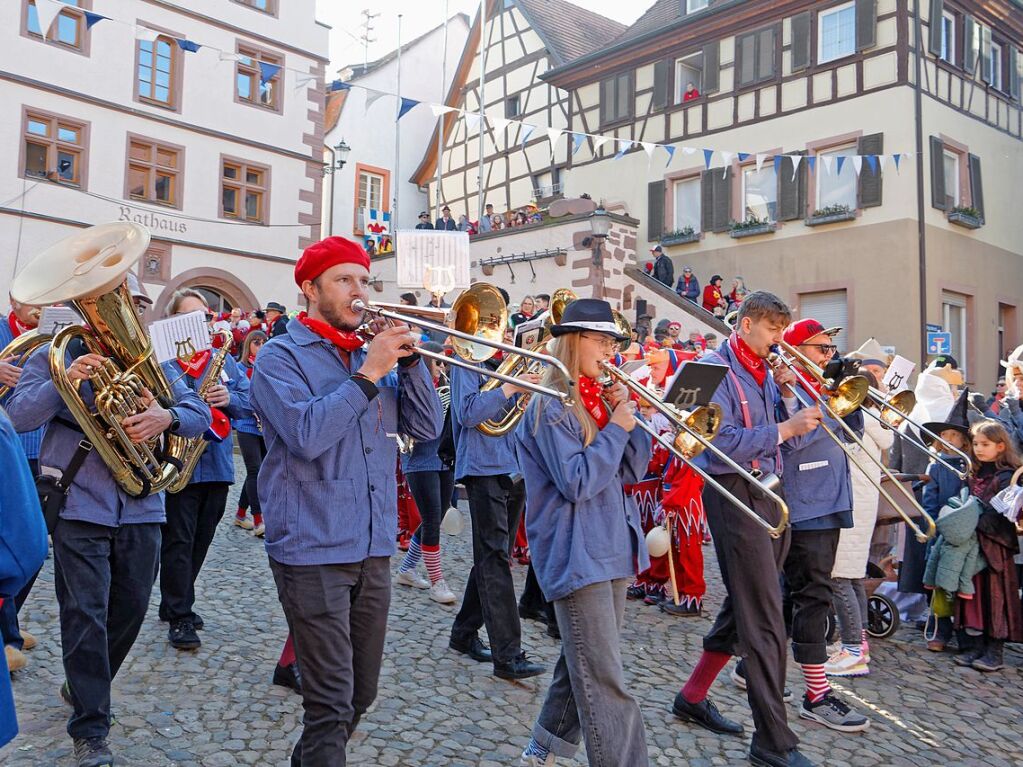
(688, 10)
(178, 171)
(267, 56)
(670, 212)
(962, 151)
(950, 49)
(53, 144)
(631, 98)
(820, 32)
(998, 65)
(385, 194)
(84, 33)
(739, 188)
(273, 7)
(678, 87)
(177, 69)
(757, 82)
(962, 296)
(243, 186)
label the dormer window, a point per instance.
(691, 6)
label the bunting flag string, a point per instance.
(47, 12)
(189, 46)
(406, 106)
(671, 154)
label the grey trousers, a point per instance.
(337, 615)
(587, 698)
(850, 602)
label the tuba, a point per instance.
(87, 271)
(22, 348)
(197, 445)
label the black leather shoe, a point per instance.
(705, 714)
(680, 610)
(518, 667)
(288, 676)
(182, 635)
(553, 631)
(198, 622)
(791, 758)
(532, 615)
(475, 649)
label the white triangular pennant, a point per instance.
(882, 160)
(826, 160)
(760, 161)
(472, 121)
(649, 148)
(553, 134)
(441, 109)
(796, 158)
(372, 96)
(857, 161)
(145, 33)
(726, 159)
(47, 11)
(226, 55)
(688, 150)
(598, 142)
(499, 123)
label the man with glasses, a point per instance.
(819, 493)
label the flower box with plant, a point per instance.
(680, 236)
(966, 217)
(751, 226)
(830, 214)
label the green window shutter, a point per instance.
(655, 210)
(870, 182)
(938, 173)
(934, 27)
(707, 201)
(800, 41)
(985, 54)
(866, 24)
(711, 67)
(976, 185)
(722, 199)
(792, 189)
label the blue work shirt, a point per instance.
(94, 496)
(476, 454)
(423, 457)
(22, 544)
(583, 528)
(216, 464)
(245, 422)
(30, 440)
(327, 485)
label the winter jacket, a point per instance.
(664, 270)
(955, 557)
(854, 543)
(690, 290)
(1011, 416)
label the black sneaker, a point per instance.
(635, 592)
(182, 635)
(834, 713)
(681, 610)
(198, 622)
(738, 677)
(92, 752)
(763, 758)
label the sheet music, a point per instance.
(55, 318)
(182, 335)
(897, 377)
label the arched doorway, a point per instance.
(221, 289)
(218, 301)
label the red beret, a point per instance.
(320, 256)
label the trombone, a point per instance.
(479, 318)
(842, 399)
(694, 432)
(521, 364)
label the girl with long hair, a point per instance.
(250, 441)
(585, 540)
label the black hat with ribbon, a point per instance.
(587, 314)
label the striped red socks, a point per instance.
(816, 682)
(431, 555)
(707, 669)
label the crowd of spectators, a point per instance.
(490, 221)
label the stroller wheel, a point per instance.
(882, 616)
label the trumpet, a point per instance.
(843, 398)
(518, 364)
(479, 317)
(694, 432)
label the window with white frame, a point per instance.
(688, 71)
(951, 162)
(835, 181)
(371, 190)
(948, 37)
(953, 317)
(687, 204)
(696, 5)
(836, 33)
(995, 63)
(760, 193)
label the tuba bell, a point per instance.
(88, 272)
(21, 349)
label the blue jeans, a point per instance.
(587, 699)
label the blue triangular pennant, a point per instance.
(896, 158)
(811, 163)
(405, 106)
(872, 162)
(777, 162)
(624, 145)
(577, 141)
(188, 45)
(743, 156)
(338, 85)
(839, 162)
(671, 155)
(527, 131)
(708, 155)
(91, 19)
(267, 72)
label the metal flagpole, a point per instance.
(484, 39)
(443, 117)
(395, 182)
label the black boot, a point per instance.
(970, 648)
(288, 676)
(991, 660)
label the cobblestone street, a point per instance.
(216, 707)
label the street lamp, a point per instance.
(340, 153)
(600, 227)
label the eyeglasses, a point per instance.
(825, 348)
(607, 343)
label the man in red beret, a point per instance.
(331, 406)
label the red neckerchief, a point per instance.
(249, 368)
(17, 326)
(345, 340)
(748, 358)
(197, 364)
(590, 392)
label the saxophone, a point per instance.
(197, 445)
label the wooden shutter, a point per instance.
(934, 27)
(711, 67)
(870, 183)
(765, 54)
(800, 41)
(607, 96)
(792, 191)
(661, 80)
(866, 24)
(985, 54)
(1014, 78)
(707, 201)
(976, 185)
(969, 45)
(745, 59)
(655, 210)
(938, 173)
(722, 199)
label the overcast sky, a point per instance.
(418, 16)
